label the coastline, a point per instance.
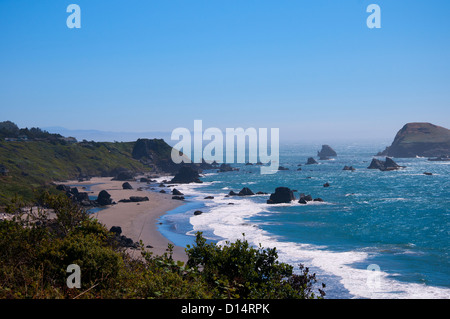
(137, 220)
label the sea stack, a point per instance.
(326, 152)
(281, 195)
(387, 165)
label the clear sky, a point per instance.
(311, 68)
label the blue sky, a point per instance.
(311, 68)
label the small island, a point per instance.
(419, 139)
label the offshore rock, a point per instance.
(281, 195)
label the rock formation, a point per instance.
(326, 152)
(419, 139)
(387, 165)
(135, 199)
(246, 192)
(281, 195)
(227, 168)
(186, 175)
(127, 185)
(311, 161)
(176, 192)
(104, 198)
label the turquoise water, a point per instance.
(398, 220)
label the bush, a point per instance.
(238, 270)
(35, 251)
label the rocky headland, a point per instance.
(419, 139)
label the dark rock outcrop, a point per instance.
(387, 165)
(82, 198)
(176, 192)
(127, 185)
(198, 212)
(186, 175)
(227, 168)
(232, 193)
(178, 197)
(348, 168)
(116, 230)
(124, 175)
(281, 168)
(246, 192)
(326, 184)
(156, 153)
(135, 199)
(281, 195)
(326, 152)
(104, 198)
(311, 161)
(304, 199)
(419, 139)
(122, 240)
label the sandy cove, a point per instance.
(137, 220)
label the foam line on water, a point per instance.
(229, 222)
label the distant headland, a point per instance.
(420, 139)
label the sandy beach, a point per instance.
(138, 221)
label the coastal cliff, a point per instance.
(419, 139)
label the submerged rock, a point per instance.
(440, 159)
(227, 168)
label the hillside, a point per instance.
(419, 139)
(32, 164)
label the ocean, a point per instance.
(376, 234)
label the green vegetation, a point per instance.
(37, 245)
(34, 164)
(9, 129)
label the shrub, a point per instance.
(238, 270)
(35, 251)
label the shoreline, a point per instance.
(137, 220)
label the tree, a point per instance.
(8, 129)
